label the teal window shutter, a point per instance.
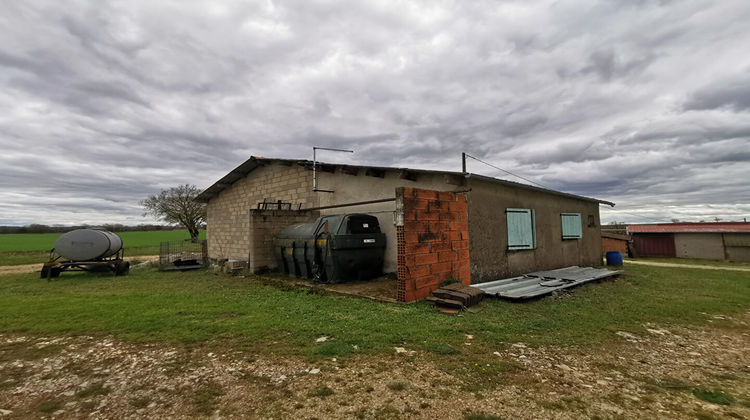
(571, 225)
(521, 228)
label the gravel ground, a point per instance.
(663, 372)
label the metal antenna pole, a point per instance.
(463, 162)
(315, 175)
(315, 164)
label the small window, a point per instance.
(521, 228)
(571, 225)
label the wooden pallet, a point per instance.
(456, 296)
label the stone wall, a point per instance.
(264, 224)
(228, 227)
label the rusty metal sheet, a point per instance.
(654, 245)
(541, 283)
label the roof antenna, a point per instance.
(315, 164)
(463, 162)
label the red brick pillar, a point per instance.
(432, 231)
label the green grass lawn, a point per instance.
(203, 308)
(29, 248)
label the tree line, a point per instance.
(112, 227)
(176, 205)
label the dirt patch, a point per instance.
(666, 372)
(676, 265)
(30, 268)
(380, 290)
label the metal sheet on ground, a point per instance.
(541, 283)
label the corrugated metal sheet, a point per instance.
(736, 239)
(690, 227)
(543, 282)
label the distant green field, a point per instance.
(28, 248)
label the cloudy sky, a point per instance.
(644, 103)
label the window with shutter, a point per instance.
(571, 225)
(521, 228)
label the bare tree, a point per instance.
(178, 205)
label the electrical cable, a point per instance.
(639, 215)
(507, 172)
(549, 188)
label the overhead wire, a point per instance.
(507, 171)
(549, 188)
(639, 215)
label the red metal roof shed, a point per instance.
(712, 227)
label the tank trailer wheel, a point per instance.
(51, 272)
(122, 268)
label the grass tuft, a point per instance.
(334, 349)
(388, 411)
(397, 386)
(480, 416)
(49, 407)
(140, 402)
(93, 389)
(205, 398)
(443, 349)
(713, 396)
(322, 392)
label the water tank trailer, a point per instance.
(93, 250)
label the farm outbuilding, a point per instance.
(713, 241)
(439, 225)
(615, 242)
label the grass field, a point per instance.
(247, 313)
(28, 248)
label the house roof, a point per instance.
(256, 161)
(691, 227)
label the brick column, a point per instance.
(433, 241)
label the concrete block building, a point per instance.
(438, 224)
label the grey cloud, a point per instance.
(732, 94)
(567, 151)
(607, 65)
(591, 100)
(114, 90)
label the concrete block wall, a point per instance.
(490, 257)
(264, 224)
(433, 241)
(228, 228)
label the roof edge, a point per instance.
(255, 161)
(535, 188)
